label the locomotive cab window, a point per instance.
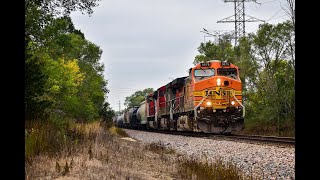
(200, 74)
(231, 72)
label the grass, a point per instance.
(159, 148)
(188, 168)
(52, 137)
(193, 169)
(92, 151)
(100, 155)
(117, 131)
(268, 128)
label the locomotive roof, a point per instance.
(176, 82)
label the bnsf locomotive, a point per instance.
(208, 100)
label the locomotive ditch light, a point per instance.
(232, 102)
(218, 82)
(208, 103)
(213, 110)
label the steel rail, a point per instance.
(254, 138)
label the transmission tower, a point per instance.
(239, 18)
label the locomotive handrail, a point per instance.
(176, 107)
(240, 105)
(195, 109)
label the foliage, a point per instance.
(210, 51)
(267, 69)
(63, 77)
(50, 136)
(108, 113)
(35, 80)
(63, 73)
(137, 97)
(57, 7)
(272, 97)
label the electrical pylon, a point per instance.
(239, 18)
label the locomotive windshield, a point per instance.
(232, 72)
(200, 74)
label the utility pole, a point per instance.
(239, 18)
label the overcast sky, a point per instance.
(148, 43)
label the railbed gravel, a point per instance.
(263, 161)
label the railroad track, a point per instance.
(258, 138)
(241, 137)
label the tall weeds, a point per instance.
(193, 169)
(52, 136)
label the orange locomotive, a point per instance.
(208, 100)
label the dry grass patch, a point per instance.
(194, 169)
(159, 148)
(100, 153)
(102, 156)
(117, 131)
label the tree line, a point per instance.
(266, 59)
(63, 72)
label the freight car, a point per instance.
(208, 100)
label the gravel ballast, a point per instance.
(266, 161)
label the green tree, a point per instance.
(107, 112)
(266, 60)
(270, 81)
(137, 97)
(63, 71)
(222, 50)
(35, 80)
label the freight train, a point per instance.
(208, 100)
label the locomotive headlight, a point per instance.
(218, 82)
(232, 102)
(209, 103)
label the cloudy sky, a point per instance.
(148, 43)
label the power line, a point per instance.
(218, 34)
(267, 2)
(278, 17)
(274, 15)
(239, 18)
